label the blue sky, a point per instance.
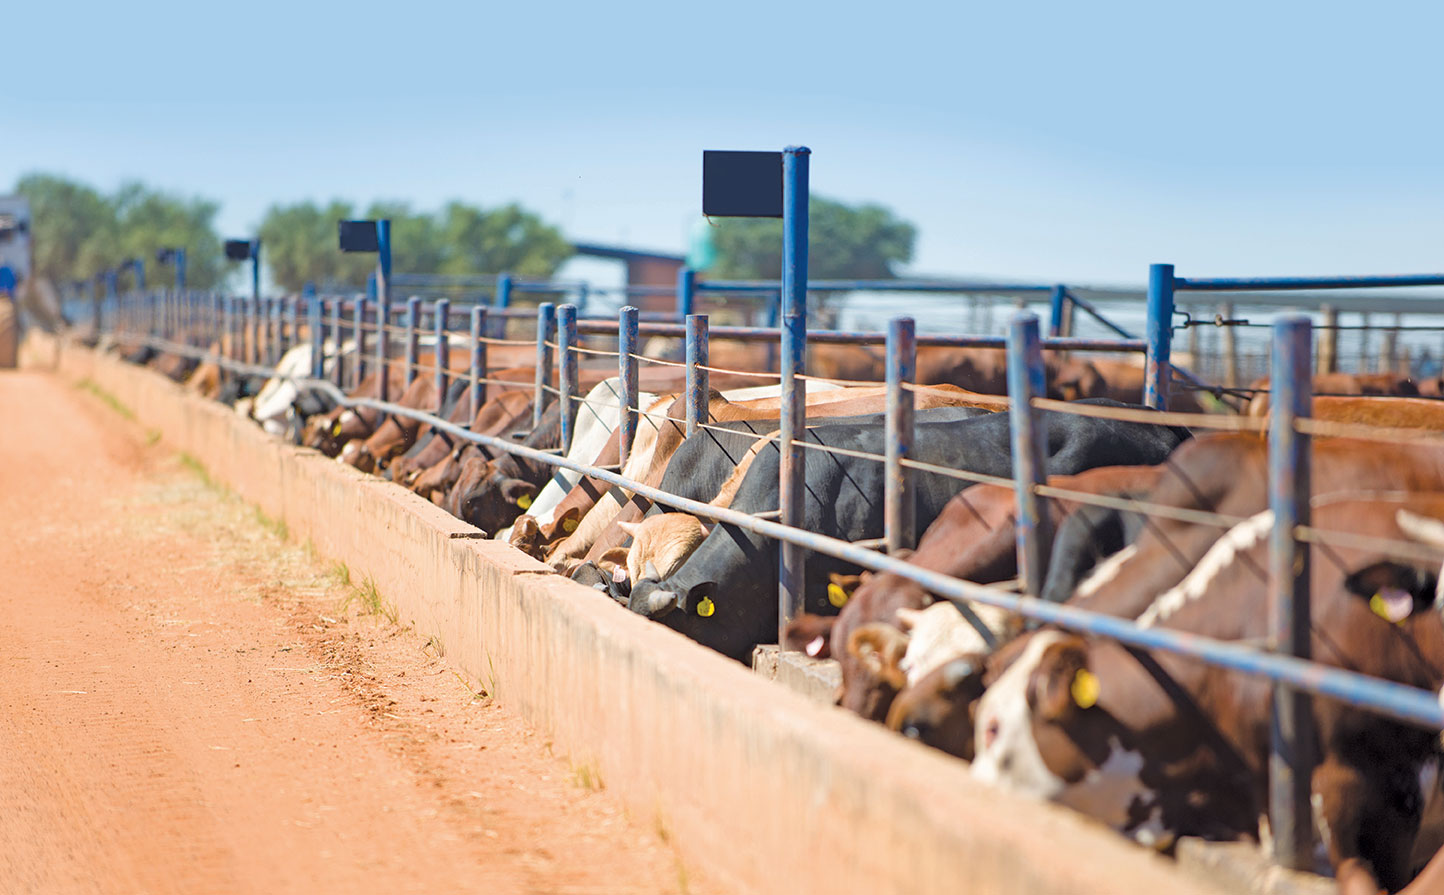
(1074, 141)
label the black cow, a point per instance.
(725, 595)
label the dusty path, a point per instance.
(188, 704)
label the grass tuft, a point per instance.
(588, 777)
(199, 469)
(111, 401)
(277, 527)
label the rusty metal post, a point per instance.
(627, 372)
(1291, 758)
(546, 329)
(1027, 379)
(899, 503)
(442, 313)
(567, 385)
(413, 336)
(697, 354)
(478, 359)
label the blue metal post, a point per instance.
(546, 329)
(358, 331)
(383, 304)
(413, 336)
(273, 331)
(478, 358)
(228, 327)
(686, 292)
(337, 337)
(899, 505)
(791, 492)
(697, 350)
(256, 296)
(1056, 300)
(1291, 759)
(1026, 381)
(583, 295)
(503, 301)
(567, 381)
(291, 334)
(443, 351)
(313, 330)
(180, 269)
(627, 372)
(1158, 370)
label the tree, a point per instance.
(298, 244)
(79, 232)
(844, 242)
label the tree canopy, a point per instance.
(299, 242)
(79, 231)
(844, 242)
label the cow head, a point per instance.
(939, 709)
(653, 597)
(486, 498)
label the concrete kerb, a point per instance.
(764, 789)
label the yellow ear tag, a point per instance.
(706, 607)
(1392, 605)
(335, 428)
(836, 595)
(524, 501)
(1085, 689)
(569, 524)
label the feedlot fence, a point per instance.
(249, 337)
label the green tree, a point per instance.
(298, 244)
(79, 232)
(844, 242)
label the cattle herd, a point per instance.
(1153, 744)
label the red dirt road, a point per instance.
(189, 704)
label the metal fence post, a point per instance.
(1056, 300)
(1027, 379)
(478, 359)
(567, 381)
(1328, 359)
(442, 314)
(698, 343)
(686, 292)
(502, 302)
(383, 305)
(317, 337)
(627, 371)
(413, 336)
(292, 335)
(899, 506)
(358, 330)
(1158, 370)
(337, 337)
(1291, 759)
(792, 490)
(546, 328)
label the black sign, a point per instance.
(742, 184)
(238, 249)
(359, 236)
(164, 256)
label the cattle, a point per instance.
(592, 538)
(330, 431)
(661, 543)
(733, 574)
(974, 538)
(502, 414)
(396, 433)
(490, 494)
(282, 403)
(1159, 745)
(1335, 384)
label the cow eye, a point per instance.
(990, 734)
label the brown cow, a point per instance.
(396, 434)
(1332, 384)
(1158, 746)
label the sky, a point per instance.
(1045, 142)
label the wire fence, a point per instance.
(566, 352)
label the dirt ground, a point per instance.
(190, 704)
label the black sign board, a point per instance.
(238, 249)
(742, 184)
(164, 256)
(359, 236)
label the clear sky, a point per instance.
(1071, 141)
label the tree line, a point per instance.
(79, 231)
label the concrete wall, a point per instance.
(765, 790)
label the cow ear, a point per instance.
(1062, 682)
(880, 647)
(840, 588)
(568, 522)
(699, 599)
(518, 492)
(1394, 591)
(649, 571)
(629, 527)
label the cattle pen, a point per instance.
(182, 324)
